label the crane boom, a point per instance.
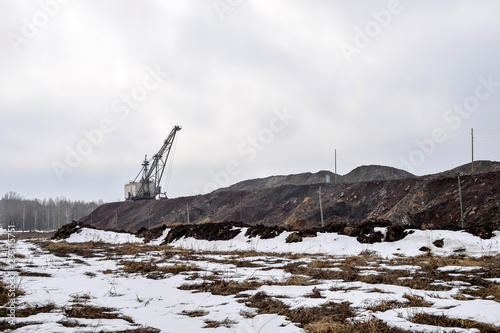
(148, 186)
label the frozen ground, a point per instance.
(98, 281)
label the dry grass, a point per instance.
(385, 305)
(347, 273)
(63, 249)
(331, 326)
(214, 324)
(141, 330)
(194, 313)
(315, 293)
(35, 309)
(222, 287)
(98, 249)
(34, 274)
(296, 280)
(94, 312)
(492, 291)
(323, 264)
(152, 270)
(5, 293)
(416, 301)
(137, 248)
(330, 311)
(5, 325)
(443, 321)
(235, 262)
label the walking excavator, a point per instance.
(146, 185)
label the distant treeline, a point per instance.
(41, 214)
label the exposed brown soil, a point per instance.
(264, 231)
(429, 201)
(68, 229)
(365, 231)
(150, 234)
(207, 231)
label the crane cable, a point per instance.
(170, 166)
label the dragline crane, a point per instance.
(146, 184)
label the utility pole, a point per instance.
(335, 165)
(187, 211)
(472, 141)
(461, 205)
(321, 208)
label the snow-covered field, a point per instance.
(97, 281)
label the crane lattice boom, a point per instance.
(146, 184)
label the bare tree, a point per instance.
(41, 214)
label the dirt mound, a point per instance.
(375, 172)
(150, 234)
(264, 231)
(206, 231)
(395, 232)
(294, 237)
(68, 229)
(336, 226)
(412, 202)
(485, 231)
(368, 234)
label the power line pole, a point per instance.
(335, 165)
(461, 205)
(472, 141)
(187, 211)
(321, 208)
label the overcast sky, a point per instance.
(260, 88)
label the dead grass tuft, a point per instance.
(385, 305)
(329, 311)
(35, 309)
(331, 326)
(315, 293)
(141, 330)
(296, 280)
(194, 313)
(492, 291)
(34, 274)
(5, 293)
(214, 324)
(416, 301)
(63, 249)
(152, 270)
(94, 312)
(222, 287)
(5, 326)
(443, 321)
